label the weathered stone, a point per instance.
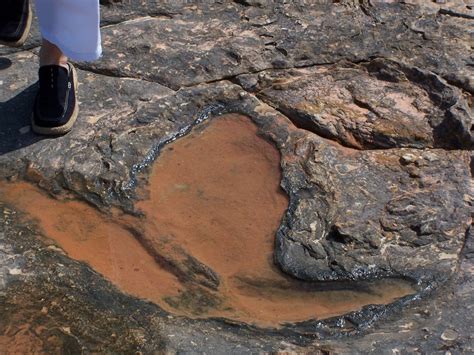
(187, 43)
(371, 214)
(393, 80)
(396, 212)
(449, 335)
(381, 104)
(177, 46)
(117, 100)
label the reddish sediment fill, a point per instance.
(214, 194)
(20, 340)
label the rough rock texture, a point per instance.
(379, 104)
(370, 105)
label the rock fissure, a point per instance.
(112, 73)
(453, 13)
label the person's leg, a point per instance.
(50, 54)
(70, 28)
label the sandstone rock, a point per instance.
(370, 106)
(449, 335)
(278, 35)
(381, 104)
(353, 214)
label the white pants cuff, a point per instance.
(72, 25)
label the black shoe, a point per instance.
(15, 22)
(55, 108)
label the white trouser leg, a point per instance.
(72, 25)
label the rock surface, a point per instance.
(370, 105)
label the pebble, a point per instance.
(449, 335)
(66, 330)
(15, 271)
(431, 157)
(408, 158)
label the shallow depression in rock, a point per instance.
(204, 246)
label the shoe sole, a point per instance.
(26, 32)
(56, 131)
